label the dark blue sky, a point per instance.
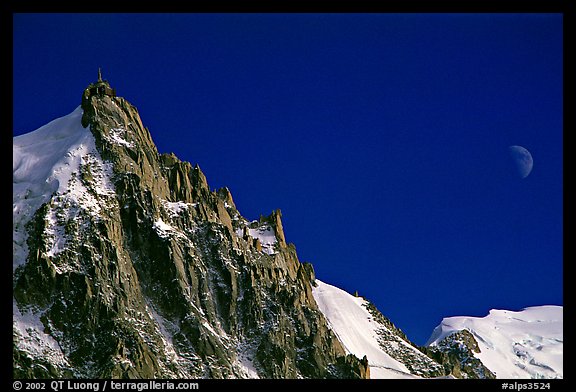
(382, 137)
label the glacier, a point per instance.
(514, 344)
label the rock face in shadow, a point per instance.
(162, 277)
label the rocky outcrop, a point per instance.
(275, 220)
(162, 277)
(396, 344)
(456, 353)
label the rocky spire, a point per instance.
(98, 89)
(155, 277)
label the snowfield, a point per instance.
(357, 330)
(524, 344)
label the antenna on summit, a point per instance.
(99, 75)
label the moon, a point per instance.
(522, 160)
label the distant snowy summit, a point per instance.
(524, 344)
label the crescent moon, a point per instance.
(522, 160)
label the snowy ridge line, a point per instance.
(357, 330)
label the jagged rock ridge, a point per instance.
(456, 352)
(127, 265)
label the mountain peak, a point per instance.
(97, 89)
(127, 265)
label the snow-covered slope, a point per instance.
(524, 344)
(362, 334)
(45, 162)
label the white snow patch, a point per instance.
(166, 231)
(524, 344)
(265, 234)
(163, 229)
(175, 208)
(116, 136)
(357, 330)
